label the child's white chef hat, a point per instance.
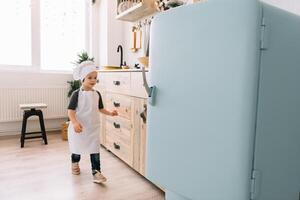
(83, 69)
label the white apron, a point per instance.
(87, 114)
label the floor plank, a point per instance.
(41, 171)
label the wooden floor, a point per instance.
(42, 172)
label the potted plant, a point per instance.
(74, 85)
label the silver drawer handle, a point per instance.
(116, 125)
(116, 82)
(116, 146)
(117, 104)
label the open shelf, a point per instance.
(138, 11)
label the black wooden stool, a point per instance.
(31, 110)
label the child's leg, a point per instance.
(75, 166)
(75, 158)
(95, 162)
(97, 176)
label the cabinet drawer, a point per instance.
(118, 82)
(120, 103)
(119, 128)
(119, 149)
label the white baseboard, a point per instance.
(14, 128)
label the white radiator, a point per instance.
(10, 98)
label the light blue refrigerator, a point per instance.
(224, 111)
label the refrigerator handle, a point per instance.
(150, 90)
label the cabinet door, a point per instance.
(277, 135)
(143, 136)
(139, 139)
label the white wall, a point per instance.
(31, 79)
(115, 34)
(103, 42)
(129, 56)
(28, 79)
(111, 33)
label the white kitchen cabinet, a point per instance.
(124, 135)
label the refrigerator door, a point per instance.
(204, 63)
(277, 155)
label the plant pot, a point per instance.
(64, 131)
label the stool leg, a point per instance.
(42, 125)
(24, 123)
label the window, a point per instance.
(15, 34)
(62, 32)
(45, 34)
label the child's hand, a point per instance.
(114, 113)
(77, 127)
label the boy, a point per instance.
(84, 128)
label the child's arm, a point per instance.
(72, 116)
(106, 112)
(103, 110)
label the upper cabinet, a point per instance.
(133, 10)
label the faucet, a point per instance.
(120, 48)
